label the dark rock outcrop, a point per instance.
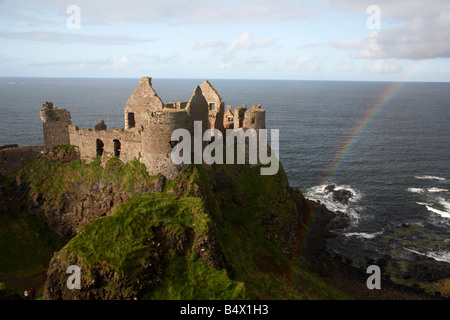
(96, 283)
(340, 195)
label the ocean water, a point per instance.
(398, 167)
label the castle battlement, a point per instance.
(148, 127)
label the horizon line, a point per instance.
(249, 79)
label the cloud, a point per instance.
(210, 43)
(175, 11)
(245, 41)
(72, 63)
(345, 66)
(421, 31)
(313, 45)
(419, 40)
(162, 59)
(224, 66)
(256, 60)
(71, 37)
(121, 63)
(399, 10)
(308, 63)
(383, 66)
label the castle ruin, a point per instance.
(149, 123)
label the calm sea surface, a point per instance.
(398, 167)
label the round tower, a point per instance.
(157, 141)
(254, 118)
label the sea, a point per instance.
(386, 142)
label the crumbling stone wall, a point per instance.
(55, 124)
(12, 157)
(228, 119)
(179, 105)
(238, 116)
(198, 110)
(86, 141)
(254, 118)
(143, 98)
(215, 106)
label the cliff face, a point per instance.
(125, 255)
(223, 233)
(69, 194)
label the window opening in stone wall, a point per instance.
(100, 146)
(253, 120)
(131, 120)
(116, 148)
(212, 106)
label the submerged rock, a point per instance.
(340, 195)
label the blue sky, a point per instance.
(248, 39)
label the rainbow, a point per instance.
(368, 119)
(358, 131)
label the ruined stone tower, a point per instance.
(55, 124)
(215, 106)
(143, 98)
(157, 143)
(254, 118)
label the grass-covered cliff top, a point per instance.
(52, 179)
(219, 234)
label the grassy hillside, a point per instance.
(52, 179)
(26, 244)
(225, 233)
(122, 244)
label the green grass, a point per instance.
(257, 261)
(117, 242)
(26, 244)
(67, 148)
(189, 278)
(53, 179)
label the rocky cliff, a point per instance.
(68, 193)
(223, 233)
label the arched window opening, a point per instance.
(100, 146)
(116, 148)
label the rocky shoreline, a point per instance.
(341, 273)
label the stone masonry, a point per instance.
(149, 123)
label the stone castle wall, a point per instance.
(116, 142)
(143, 98)
(149, 124)
(254, 118)
(198, 110)
(12, 157)
(55, 124)
(215, 105)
